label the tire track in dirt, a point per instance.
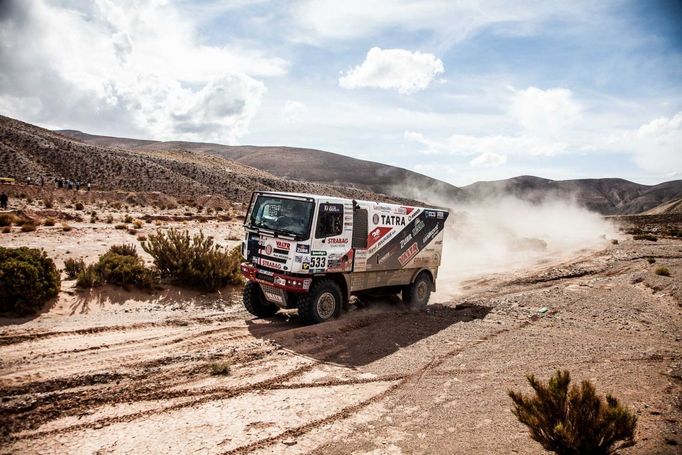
(21, 338)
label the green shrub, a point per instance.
(193, 261)
(118, 267)
(574, 421)
(73, 268)
(28, 227)
(650, 237)
(662, 271)
(128, 219)
(79, 206)
(110, 219)
(28, 278)
(89, 277)
(126, 249)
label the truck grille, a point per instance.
(275, 295)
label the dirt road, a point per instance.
(113, 372)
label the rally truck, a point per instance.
(312, 253)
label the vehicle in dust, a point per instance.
(312, 253)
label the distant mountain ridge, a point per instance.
(190, 168)
(608, 196)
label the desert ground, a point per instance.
(112, 371)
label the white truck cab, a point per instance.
(313, 252)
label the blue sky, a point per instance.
(459, 90)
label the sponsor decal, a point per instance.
(421, 261)
(271, 264)
(319, 253)
(283, 245)
(401, 211)
(409, 210)
(331, 208)
(337, 241)
(405, 241)
(408, 254)
(417, 227)
(440, 215)
(430, 235)
(306, 265)
(298, 259)
(377, 234)
(268, 250)
(375, 218)
(384, 257)
(393, 220)
(305, 249)
(430, 214)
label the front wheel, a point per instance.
(255, 303)
(417, 294)
(322, 303)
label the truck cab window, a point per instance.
(329, 221)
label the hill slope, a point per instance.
(27, 150)
(307, 165)
(608, 196)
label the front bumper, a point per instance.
(278, 280)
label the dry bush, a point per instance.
(650, 237)
(662, 271)
(110, 219)
(220, 368)
(120, 226)
(193, 261)
(137, 224)
(7, 219)
(28, 278)
(614, 241)
(79, 206)
(28, 227)
(575, 421)
(6, 230)
(128, 219)
(48, 203)
(125, 249)
(132, 231)
(73, 267)
(66, 227)
(49, 222)
(651, 260)
(119, 266)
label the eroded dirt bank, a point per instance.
(114, 372)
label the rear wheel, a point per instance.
(322, 303)
(417, 294)
(255, 303)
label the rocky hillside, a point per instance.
(301, 164)
(607, 196)
(27, 150)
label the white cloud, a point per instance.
(317, 21)
(466, 145)
(488, 159)
(294, 110)
(134, 67)
(396, 69)
(657, 145)
(545, 112)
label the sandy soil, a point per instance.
(111, 371)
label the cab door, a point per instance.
(331, 245)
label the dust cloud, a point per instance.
(502, 234)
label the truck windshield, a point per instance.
(282, 215)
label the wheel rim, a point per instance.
(326, 305)
(422, 290)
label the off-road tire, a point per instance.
(312, 309)
(416, 295)
(255, 303)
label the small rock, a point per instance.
(289, 442)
